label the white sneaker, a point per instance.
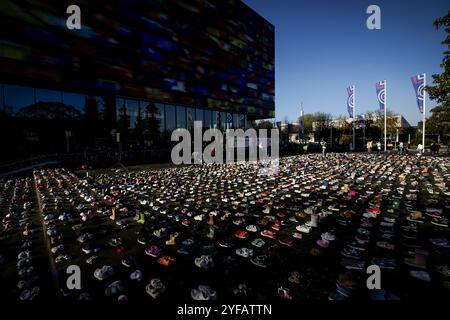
(303, 228)
(244, 252)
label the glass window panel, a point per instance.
(199, 116)
(75, 100)
(2, 99)
(171, 122)
(208, 119)
(43, 95)
(160, 116)
(235, 120)
(181, 117)
(133, 112)
(216, 119)
(242, 121)
(223, 120)
(123, 118)
(190, 113)
(17, 97)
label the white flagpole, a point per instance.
(424, 111)
(385, 111)
(354, 113)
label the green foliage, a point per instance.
(439, 122)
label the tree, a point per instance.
(50, 111)
(152, 123)
(439, 122)
(392, 125)
(91, 108)
(264, 124)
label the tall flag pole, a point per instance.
(424, 111)
(351, 109)
(302, 123)
(382, 101)
(354, 117)
(419, 82)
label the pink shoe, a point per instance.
(323, 243)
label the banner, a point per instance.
(351, 100)
(381, 94)
(418, 82)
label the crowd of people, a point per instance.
(208, 232)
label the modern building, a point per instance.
(141, 68)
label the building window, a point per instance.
(223, 121)
(160, 114)
(171, 120)
(208, 119)
(43, 95)
(2, 100)
(133, 112)
(242, 121)
(17, 97)
(216, 119)
(181, 117)
(235, 121)
(199, 116)
(190, 114)
(75, 100)
(123, 118)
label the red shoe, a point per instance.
(268, 234)
(276, 226)
(120, 249)
(241, 234)
(287, 242)
(281, 215)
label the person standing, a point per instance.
(419, 149)
(400, 148)
(369, 146)
(324, 147)
(378, 146)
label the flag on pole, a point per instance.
(381, 94)
(418, 82)
(351, 100)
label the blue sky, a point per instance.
(323, 46)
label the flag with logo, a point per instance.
(351, 100)
(381, 94)
(418, 82)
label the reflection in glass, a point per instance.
(133, 112)
(181, 117)
(17, 97)
(75, 100)
(199, 116)
(171, 122)
(123, 118)
(216, 119)
(235, 121)
(208, 119)
(43, 95)
(190, 113)
(160, 116)
(223, 120)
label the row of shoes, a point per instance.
(18, 208)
